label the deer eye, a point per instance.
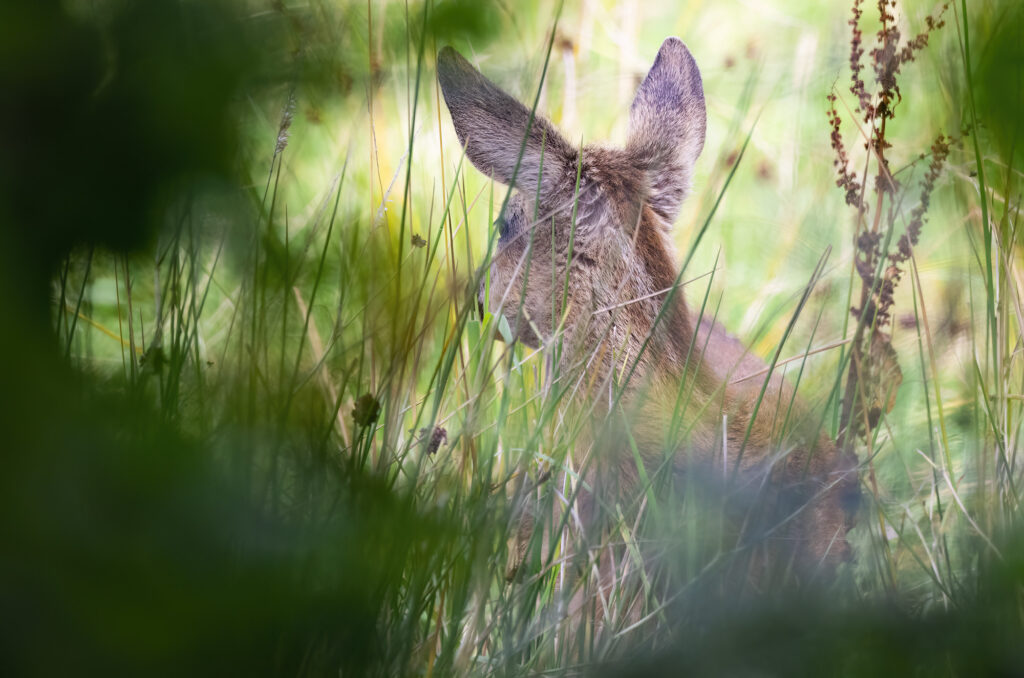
(507, 224)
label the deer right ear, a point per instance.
(499, 134)
(666, 127)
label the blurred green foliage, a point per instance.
(464, 20)
(129, 546)
(176, 520)
(109, 114)
(128, 550)
(797, 634)
(1000, 76)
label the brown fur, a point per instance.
(621, 259)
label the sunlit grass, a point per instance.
(315, 331)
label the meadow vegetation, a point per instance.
(255, 422)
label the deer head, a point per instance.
(587, 227)
(584, 253)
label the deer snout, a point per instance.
(481, 307)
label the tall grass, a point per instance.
(286, 441)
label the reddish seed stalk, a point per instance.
(874, 312)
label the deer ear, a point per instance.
(666, 127)
(499, 134)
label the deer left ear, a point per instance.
(502, 138)
(666, 127)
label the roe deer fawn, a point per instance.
(591, 225)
